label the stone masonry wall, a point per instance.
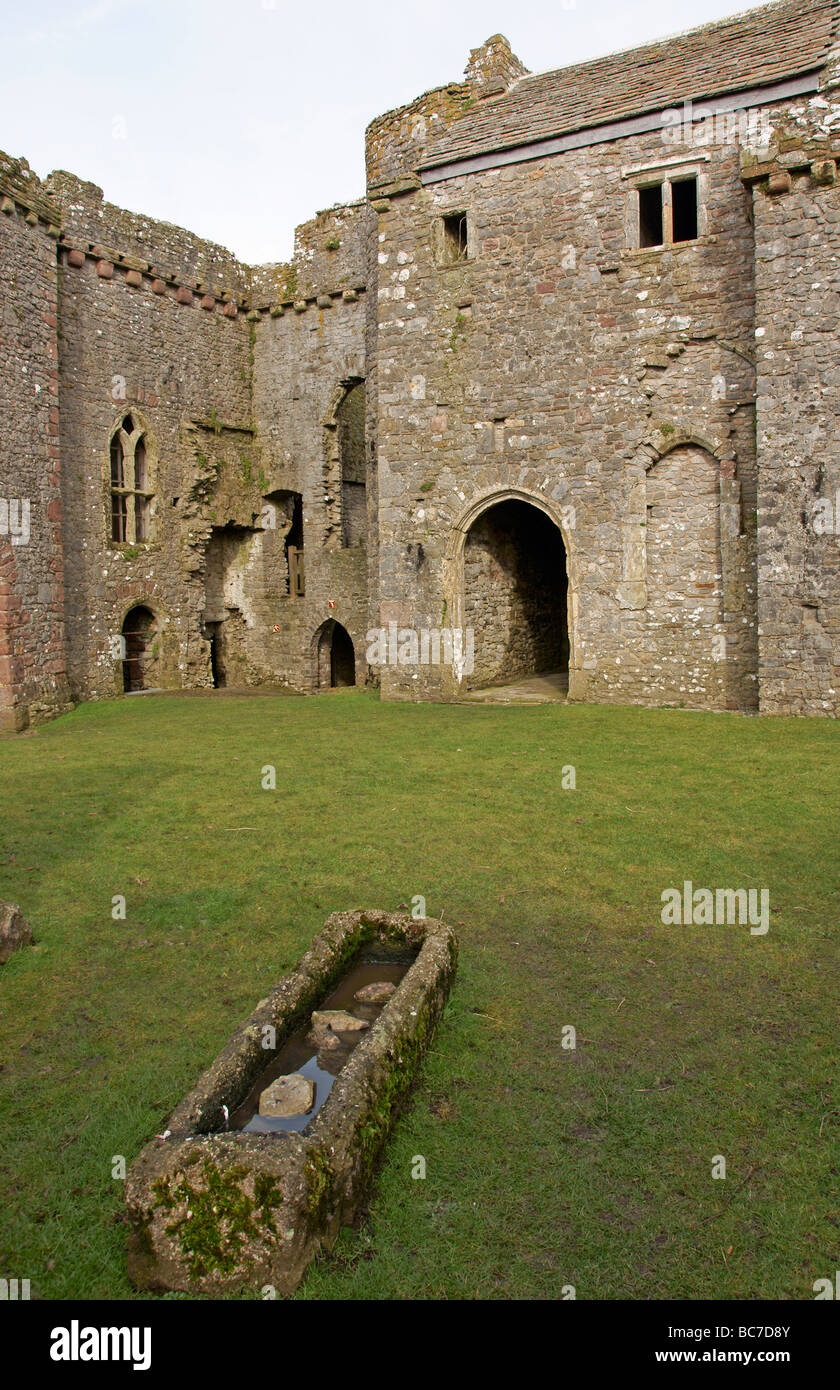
(545, 361)
(149, 321)
(559, 364)
(309, 352)
(33, 680)
(797, 230)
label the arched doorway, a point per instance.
(139, 631)
(335, 656)
(516, 594)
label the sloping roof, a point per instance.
(755, 49)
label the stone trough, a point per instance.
(213, 1210)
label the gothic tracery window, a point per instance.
(131, 484)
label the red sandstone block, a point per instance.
(54, 509)
(158, 287)
(183, 295)
(105, 269)
(76, 258)
(208, 302)
(133, 277)
(545, 287)
(230, 310)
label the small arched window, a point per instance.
(131, 484)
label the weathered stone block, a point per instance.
(14, 931)
(824, 172)
(779, 183)
(212, 1211)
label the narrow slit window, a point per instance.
(455, 236)
(651, 222)
(684, 208)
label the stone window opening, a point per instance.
(668, 212)
(283, 515)
(296, 580)
(651, 219)
(131, 491)
(684, 209)
(455, 235)
(350, 417)
(453, 242)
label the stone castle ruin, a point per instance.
(567, 377)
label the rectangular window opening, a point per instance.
(651, 223)
(455, 236)
(141, 518)
(119, 516)
(684, 208)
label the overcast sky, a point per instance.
(241, 118)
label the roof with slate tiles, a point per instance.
(755, 49)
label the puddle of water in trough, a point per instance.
(371, 966)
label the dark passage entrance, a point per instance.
(515, 594)
(139, 630)
(217, 665)
(342, 658)
(335, 656)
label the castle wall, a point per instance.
(309, 336)
(666, 416)
(797, 232)
(558, 364)
(33, 681)
(149, 323)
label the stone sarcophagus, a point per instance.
(242, 1192)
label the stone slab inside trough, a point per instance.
(213, 1209)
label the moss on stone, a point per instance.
(320, 1181)
(219, 1215)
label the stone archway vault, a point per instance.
(454, 567)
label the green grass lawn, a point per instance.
(545, 1166)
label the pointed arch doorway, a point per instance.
(139, 631)
(335, 656)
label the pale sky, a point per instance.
(240, 119)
